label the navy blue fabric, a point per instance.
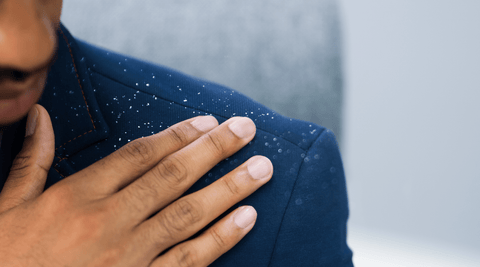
(10, 145)
(100, 100)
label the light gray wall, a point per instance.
(284, 54)
(412, 125)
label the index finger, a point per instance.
(114, 172)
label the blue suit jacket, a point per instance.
(99, 101)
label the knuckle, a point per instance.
(179, 135)
(113, 206)
(139, 152)
(180, 218)
(58, 198)
(164, 226)
(217, 143)
(188, 211)
(20, 166)
(186, 256)
(140, 195)
(231, 186)
(172, 170)
(220, 241)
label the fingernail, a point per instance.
(242, 127)
(204, 123)
(245, 216)
(259, 168)
(31, 123)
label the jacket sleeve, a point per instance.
(313, 230)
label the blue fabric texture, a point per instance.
(99, 101)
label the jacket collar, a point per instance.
(70, 100)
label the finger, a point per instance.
(114, 172)
(30, 168)
(176, 173)
(213, 243)
(188, 215)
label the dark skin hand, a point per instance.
(124, 210)
(102, 215)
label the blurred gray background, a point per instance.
(412, 130)
(285, 54)
(410, 117)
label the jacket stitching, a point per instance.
(73, 139)
(84, 99)
(78, 76)
(63, 176)
(60, 160)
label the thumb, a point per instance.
(29, 170)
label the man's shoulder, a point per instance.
(123, 99)
(187, 95)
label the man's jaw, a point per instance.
(18, 98)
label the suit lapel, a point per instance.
(70, 100)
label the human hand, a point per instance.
(123, 210)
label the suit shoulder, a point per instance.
(196, 94)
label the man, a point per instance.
(122, 208)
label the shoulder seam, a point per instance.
(139, 89)
(290, 198)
